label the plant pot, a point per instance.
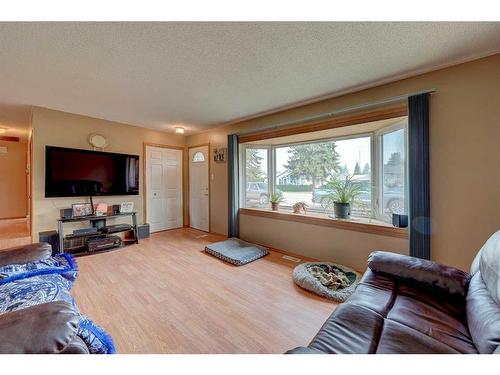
(275, 206)
(342, 210)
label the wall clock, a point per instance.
(98, 141)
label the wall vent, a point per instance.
(292, 259)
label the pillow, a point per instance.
(474, 267)
(489, 265)
(483, 317)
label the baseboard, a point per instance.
(285, 252)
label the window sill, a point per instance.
(357, 224)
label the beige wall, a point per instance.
(69, 130)
(465, 182)
(13, 183)
(341, 246)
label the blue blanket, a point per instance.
(49, 280)
(63, 265)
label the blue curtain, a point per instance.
(419, 176)
(233, 185)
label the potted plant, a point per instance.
(275, 200)
(344, 194)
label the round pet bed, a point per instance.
(306, 276)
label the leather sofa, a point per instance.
(48, 328)
(410, 305)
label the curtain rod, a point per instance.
(375, 103)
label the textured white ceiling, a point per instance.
(203, 74)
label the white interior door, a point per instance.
(164, 188)
(198, 188)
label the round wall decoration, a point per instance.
(98, 140)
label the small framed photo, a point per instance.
(100, 209)
(82, 209)
(126, 207)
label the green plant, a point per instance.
(343, 191)
(276, 198)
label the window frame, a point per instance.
(322, 140)
(376, 167)
(379, 149)
(242, 170)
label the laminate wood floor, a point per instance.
(165, 295)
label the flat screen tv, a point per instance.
(72, 172)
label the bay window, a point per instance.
(301, 170)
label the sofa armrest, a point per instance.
(424, 272)
(25, 254)
(44, 329)
(304, 350)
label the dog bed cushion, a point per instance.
(236, 251)
(306, 276)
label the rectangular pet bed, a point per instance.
(236, 251)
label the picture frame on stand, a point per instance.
(82, 209)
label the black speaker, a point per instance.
(400, 221)
(66, 213)
(143, 231)
(50, 237)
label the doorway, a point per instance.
(199, 190)
(163, 187)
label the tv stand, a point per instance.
(98, 221)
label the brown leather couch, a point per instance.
(49, 328)
(409, 305)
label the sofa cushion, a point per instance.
(426, 273)
(352, 330)
(46, 328)
(489, 265)
(436, 316)
(398, 338)
(483, 316)
(22, 294)
(389, 315)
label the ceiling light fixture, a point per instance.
(3, 130)
(179, 130)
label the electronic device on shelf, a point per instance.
(87, 230)
(400, 221)
(105, 243)
(117, 228)
(72, 242)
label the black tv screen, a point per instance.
(72, 172)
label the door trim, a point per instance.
(144, 178)
(209, 186)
